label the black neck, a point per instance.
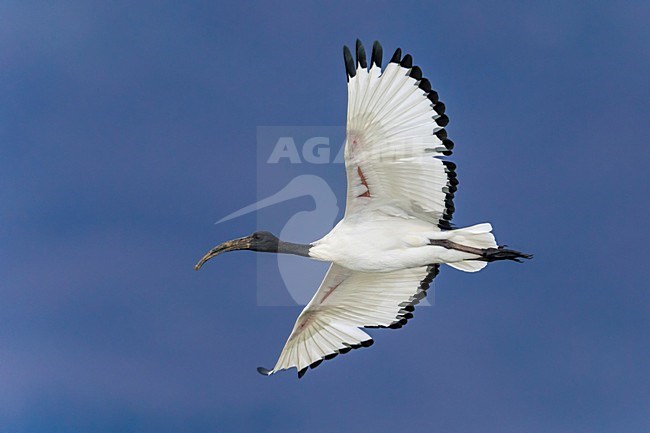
(295, 249)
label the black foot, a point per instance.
(502, 253)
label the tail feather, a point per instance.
(477, 236)
(480, 236)
(468, 265)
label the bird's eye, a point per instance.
(256, 236)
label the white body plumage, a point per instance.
(372, 242)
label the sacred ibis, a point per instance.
(396, 230)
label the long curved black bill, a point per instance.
(235, 244)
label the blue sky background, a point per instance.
(127, 129)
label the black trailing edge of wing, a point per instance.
(416, 73)
(406, 311)
(448, 143)
(445, 225)
(450, 168)
(425, 85)
(361, 55)
(346, 349)
(407, 62)
(443, 120)
(350, 70)
(397, 56)
(377, 54)
(449, 202)
(452, 181)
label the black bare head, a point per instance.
(259, 241)
(265, 242)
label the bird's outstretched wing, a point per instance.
(345, 302)
(395, 137)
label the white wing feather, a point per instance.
(395, 134)
(346, 301)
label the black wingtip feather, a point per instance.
(346, 349)
(349, 62)
(377, 54)
(397, 56)
(416, 73)
(443, 120)
(302, 372)
(444, 225)
(425, 85)
(450, 188)
(448, 143)
(407, 62)
(361, 55)
(451, 167)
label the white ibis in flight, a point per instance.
(396, 230)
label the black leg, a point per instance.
(486, 254)
(502, 253)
